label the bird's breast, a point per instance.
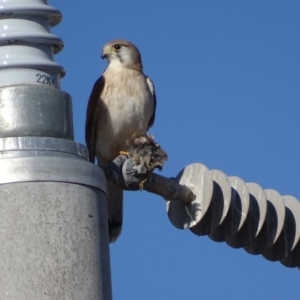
(129, 105)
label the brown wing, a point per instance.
(91, 121)
(152, 89)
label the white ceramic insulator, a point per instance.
(27, 47)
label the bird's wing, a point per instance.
(90, 127)
(114, 194)
(152, 90)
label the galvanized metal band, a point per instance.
(51, 169)
(34, 110)
(41, 144)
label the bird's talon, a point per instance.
(141, 185)
(125, 153)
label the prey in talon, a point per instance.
(146, 154)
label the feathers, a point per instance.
(152, 90)
(91, 120)
(115, 211)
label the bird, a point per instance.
(121, 107)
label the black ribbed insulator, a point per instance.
(241, 214)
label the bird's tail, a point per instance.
(115, 211)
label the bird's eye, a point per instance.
(117, 46)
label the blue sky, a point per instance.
(227, 76)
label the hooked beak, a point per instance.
(105, 53)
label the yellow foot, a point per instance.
(141, 185)
(124, 153)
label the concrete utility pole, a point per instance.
(53, 222)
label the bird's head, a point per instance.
(124, 53)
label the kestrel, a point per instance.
(121, 107)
